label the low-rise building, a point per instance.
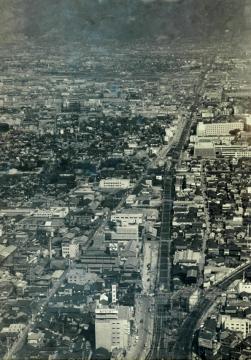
(114, 184)
(187, 257)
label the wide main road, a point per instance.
(164, 262)
(160, 345)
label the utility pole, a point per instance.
(8, 347)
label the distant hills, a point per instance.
(124, 20)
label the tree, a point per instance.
(102, 354)
(4, 127)
(234, 132)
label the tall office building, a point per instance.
(112, 327)
(218, 129)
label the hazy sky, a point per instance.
(66, 20)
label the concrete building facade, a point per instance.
(218, 129)
(242, 325)
(114, 183)
(112, 328)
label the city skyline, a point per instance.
(125, 179)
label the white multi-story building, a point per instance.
(211, 150)
(218, 129)
(70, 249)
(242, 325)
(112, 328)
(52, 213)
(237, 151)
(126, 218)
(114, 183)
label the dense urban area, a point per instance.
(125, 204)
